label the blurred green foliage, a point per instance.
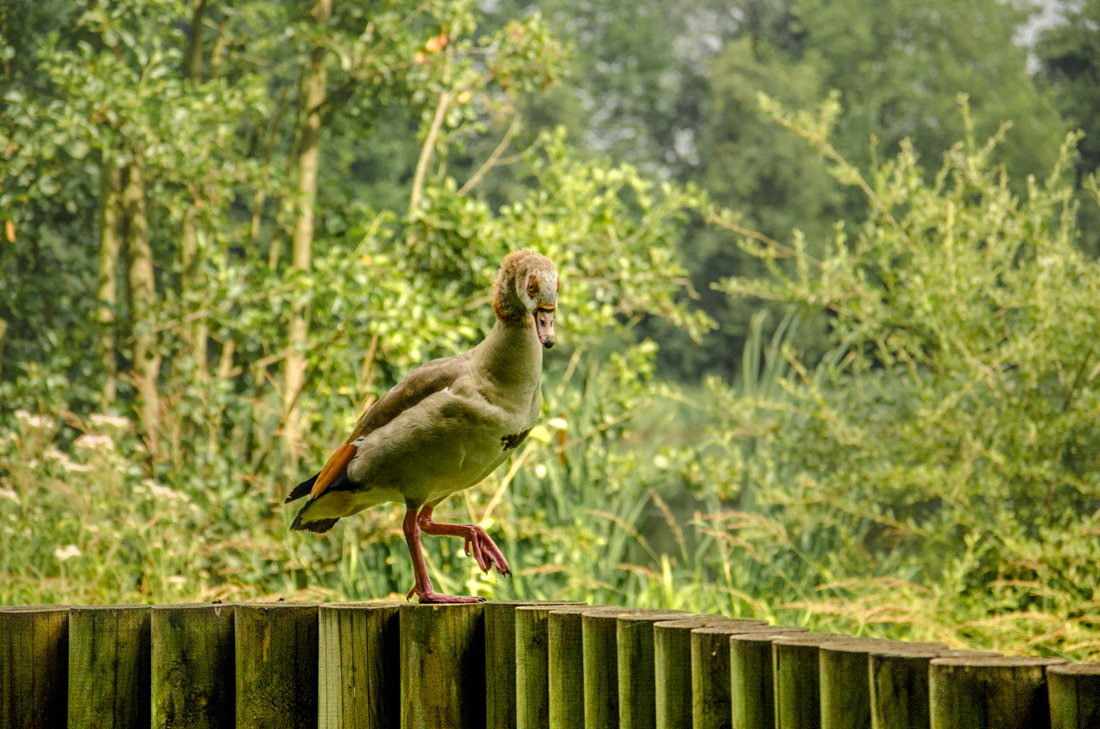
(899, 432)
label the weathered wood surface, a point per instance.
(969, 692)
(359, 666)
(752, 680)
(845, 680)
(795, 671)
(565, 673)
(275, 656)
(502, 665)
(600, 648)
(636, 668)
(34, 660)
(672, 668)
(501, 697)
(532, 667)
(711, 681)
(108, 667)
(899, 683)
(1074, 691)
(442, 666)
(192, 667)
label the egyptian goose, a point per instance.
(446, 426)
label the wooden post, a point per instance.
(752, 680)
(898, 683)
(636, 670)
(845, 679)
(599, 636)
(1002, 692)
(501, 660)
(795, 673)
(275, 646)
(108, 667)
(500, 664)
(898, 686)
(358, 670)
(532, 666)
(565, 670)
(442, 666)
(191, 666)
(601, 673)
(711, 681)
(1074, 695)
(672, 667)
(34, 660)
(532, 661)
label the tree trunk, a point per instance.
(194, 41)
(294, 364)
(110, 239)
(146, 358)
(191, 289)
(3, 331)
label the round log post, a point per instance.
(975, 692)
(636, 670)
(34, 660)
(1074, 695)
(501, 660)
(796, 675)
(711, 680)
(752, 680)
(601, 673)
(898, 683)
(191, 667)
(442, 666)
(275, 660)
(358, 671)
(672, 666)
(565, 670)
(532, 660)
(845, 679)
(108, 667)
(898, 686)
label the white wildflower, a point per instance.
(163, 492)
(53, 453)
(67, 552)
(10, 495)
(541, 470)
(36, 422)
(91, 442)
(111, 421)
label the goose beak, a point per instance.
(544, 325)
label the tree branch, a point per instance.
(493, 159)
(427, 149)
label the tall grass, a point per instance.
(659, 497)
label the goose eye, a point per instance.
(532, 285)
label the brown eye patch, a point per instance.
(532, 285)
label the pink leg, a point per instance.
(478, 542)
(422, 588)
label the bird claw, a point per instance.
(485, 551)
(428, 597)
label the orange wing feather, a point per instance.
(336, 463)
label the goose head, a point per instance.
(526, 291)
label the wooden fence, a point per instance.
(499, 665)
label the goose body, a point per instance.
(446, 426)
